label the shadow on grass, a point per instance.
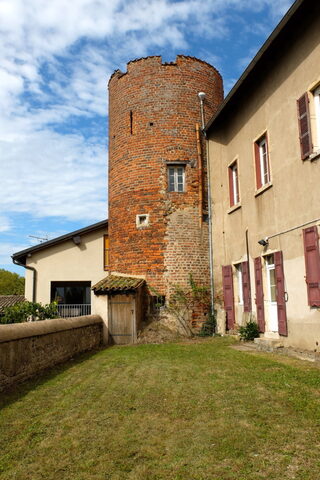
(15, 392)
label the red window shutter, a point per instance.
(246, 287)
(312, 261)
(304, 126)
(258, 167)
(259, 294)
(231, 192)
(228, 296)
(280, 294)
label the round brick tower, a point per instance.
(157, 168)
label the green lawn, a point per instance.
(194, 411)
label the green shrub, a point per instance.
(209, 327)
(24, 311)
(249, 331)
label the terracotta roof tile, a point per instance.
(116, 283)
(9, 300)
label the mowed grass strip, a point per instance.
(194, 411)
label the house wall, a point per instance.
(293, 197)
(66, 262)
(155, 125)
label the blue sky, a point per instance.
(56, 58)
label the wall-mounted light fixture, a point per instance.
(76, 239)
(264, 242)
(202, 96)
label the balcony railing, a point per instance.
(73, 310)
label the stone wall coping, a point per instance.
(14, 331)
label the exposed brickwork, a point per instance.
(153, 109)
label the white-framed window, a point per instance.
(262, 161)
(239, 277)
(234, 184)
(316, 98)
(176, 178)
(271, 277)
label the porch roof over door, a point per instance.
(117, 284)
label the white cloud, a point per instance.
(56, 57)
(5, 224)
(8, 249)
(49, 174)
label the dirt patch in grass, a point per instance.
(191, 411)
(156, 332)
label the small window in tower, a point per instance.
(176, 178)
(142, 220)
(105, 252)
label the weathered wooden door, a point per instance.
(122, 319)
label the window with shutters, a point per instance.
(246, 287)
(238, 268)
(243, 285)
(234, 184)
(309, 124)
(259, 294)
(228, 297)
(316, 99)
(312, 263)
(304, 126)
(176, 178)
(261, 152)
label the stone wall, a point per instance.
(153, 111)
(28, 348)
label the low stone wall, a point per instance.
(28, 348)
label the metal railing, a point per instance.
(73, 310)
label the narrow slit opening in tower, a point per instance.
(131, 122)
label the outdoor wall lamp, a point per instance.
(264, 242)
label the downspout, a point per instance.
(34, 283)
(249, 277)
(210, 229)
(199, 174)
(201, 96)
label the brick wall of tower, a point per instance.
(153, 109)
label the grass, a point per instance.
(177, 411)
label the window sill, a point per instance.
(314, 156)
(263, 189)
(234, 208)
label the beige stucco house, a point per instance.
(66, 268)
(264, 153)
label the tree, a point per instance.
(11, 283)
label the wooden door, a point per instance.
(122, 319)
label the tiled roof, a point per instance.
(116, 283)
(9, 300)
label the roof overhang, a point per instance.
(75, 236)
(271, 44)
(113, 284)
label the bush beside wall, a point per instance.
(28, 348)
